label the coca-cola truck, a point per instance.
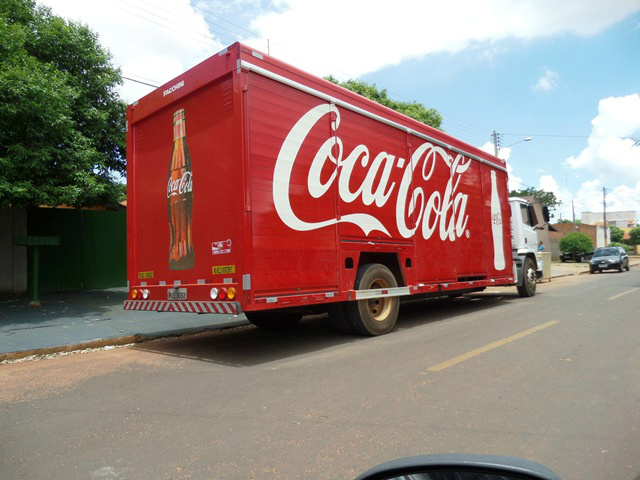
(256, 188)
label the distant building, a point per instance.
(627, 219)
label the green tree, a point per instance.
(627, 248)
(62, 122)
(413, 109)
(576, 243)
(547, 199)
(634, 236)
(617, 234)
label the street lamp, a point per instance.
(526, 139)
(495, 142)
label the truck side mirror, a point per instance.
(545, 214)
(533, 218)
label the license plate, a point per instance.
(177, 294)
(604, 264)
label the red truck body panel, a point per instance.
(297, 181)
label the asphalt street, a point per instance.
(553, 378)
(78, 320)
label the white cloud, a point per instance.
(547, 82)
(157, 40)
(611, 152)
(549, 184)
(514, 182)
(151, 41)
(356, 37)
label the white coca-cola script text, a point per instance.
(180, 185)
(430, 210)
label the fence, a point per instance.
(92, 252)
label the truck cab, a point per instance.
(524, 241)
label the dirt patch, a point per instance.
(25, 381)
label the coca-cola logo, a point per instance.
(443, 212)
(180, 185)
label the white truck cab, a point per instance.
(527, 266)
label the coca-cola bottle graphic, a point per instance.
(180, 198)
(496, 225)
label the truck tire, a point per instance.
(528, 287)
(339, 319)
(373, 316)
(274, 320)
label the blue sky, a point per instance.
(477, 95)
(565, 73)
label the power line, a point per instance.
(139, 81)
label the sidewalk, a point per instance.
(74, 320)
(559, 269)
(77, 320)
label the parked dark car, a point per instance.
(609, 258)
(575, 257)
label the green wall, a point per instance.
(92, 252)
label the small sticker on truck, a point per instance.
(222, 269)
(219, 248)
(143, 275)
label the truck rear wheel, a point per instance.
(373, 316)
(274, 320)
(528, 287)
(339, 319)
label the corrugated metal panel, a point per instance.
(92, 251)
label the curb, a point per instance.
(143, 338)
(111, 342)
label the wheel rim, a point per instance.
(379, 308)
(531, 279)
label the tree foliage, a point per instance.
(61, 119)
(576, 243)
(634, 236)
(413, 109)
(617, 234)
(627, 248)
(547, 199)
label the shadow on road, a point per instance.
(249, 346)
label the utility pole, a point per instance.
(495, 143)
(573, 212)
(604, 209)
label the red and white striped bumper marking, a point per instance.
(229, 308)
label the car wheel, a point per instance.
(627, 267)
(528, 287)
(592, 270)
(620, 268)
(373, 316)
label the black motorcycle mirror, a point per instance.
(459, 467)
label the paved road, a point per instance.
(553, 379)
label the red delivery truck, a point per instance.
(256, 188)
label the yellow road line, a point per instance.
(490, 346)
(623, 293)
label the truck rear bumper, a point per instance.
(227, 308)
